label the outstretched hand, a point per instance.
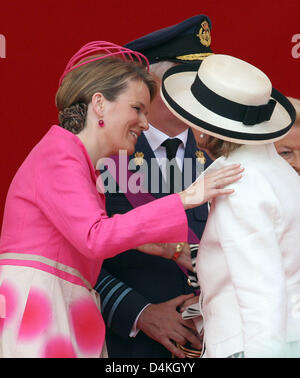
(210, 185)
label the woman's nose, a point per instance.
(144, 123)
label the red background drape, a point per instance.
(42, 35)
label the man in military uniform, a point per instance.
(140, 293)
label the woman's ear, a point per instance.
(97, 102)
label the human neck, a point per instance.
(95, 146)
(171, 130)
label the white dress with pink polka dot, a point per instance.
(69, 326)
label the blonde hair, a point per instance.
(110, 76)
(218, 147)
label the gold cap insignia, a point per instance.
(198, 56)
(139, 158)
(200, 157)
(204, 34)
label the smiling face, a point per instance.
(289, 147)
(159, 115)
(125, 118)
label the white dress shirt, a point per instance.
(155, 138)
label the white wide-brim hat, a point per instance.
(228, 98)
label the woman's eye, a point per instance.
(286, 154)
(137, 108)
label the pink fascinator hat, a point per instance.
(106, 49)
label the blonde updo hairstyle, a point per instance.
(109, 76)
(219, 147)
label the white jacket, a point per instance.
(248, 263)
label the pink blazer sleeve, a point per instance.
(67, 195)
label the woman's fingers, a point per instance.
(227, 171)
(216, 182)
(210, 185)
(224, 176)
(221, 182)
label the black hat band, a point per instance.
(228, 133)
(249, 115)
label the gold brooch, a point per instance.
(204, 34)
(139, 158)
(200, 157)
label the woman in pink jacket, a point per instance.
(56, 232)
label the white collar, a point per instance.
(156, 137)
(256, 151)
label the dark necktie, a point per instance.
(174, 175)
